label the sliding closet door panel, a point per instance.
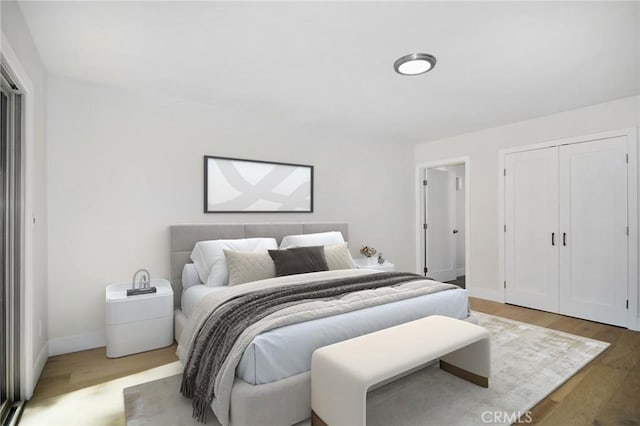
(593, 223)
(531, 219)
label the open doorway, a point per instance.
(444, 233)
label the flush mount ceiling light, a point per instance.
(414, 64)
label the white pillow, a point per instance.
(190, 276)
(208, 256)
(247, 266)
(306, 240)
(338, 257)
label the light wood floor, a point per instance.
(605, 392)
(69, 372)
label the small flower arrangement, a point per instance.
(367, 251)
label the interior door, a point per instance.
(531, 229)
(440, 210)
(593, 223)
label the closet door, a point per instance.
(531, 233)
(593, 226)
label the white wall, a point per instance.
(124, 166)
(22, 56)
(482, 147)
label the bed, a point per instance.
(272, 379)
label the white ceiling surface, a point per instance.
(329, 65)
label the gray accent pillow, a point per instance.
(338, 257)
(247, 266)
(299, 260)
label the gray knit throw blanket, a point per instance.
(220, 331)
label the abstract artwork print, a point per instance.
(233, 185)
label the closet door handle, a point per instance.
(564, 238)
(553, 238)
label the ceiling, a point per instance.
(329, 65)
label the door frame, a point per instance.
(418, 177)
(633, 293)
(30, 366)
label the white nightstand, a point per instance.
(138, 323)
(365, 263)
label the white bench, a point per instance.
(342, 373)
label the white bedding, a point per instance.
(194, 294)
(287, 351)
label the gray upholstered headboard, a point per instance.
(184, 237)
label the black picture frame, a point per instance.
(224, 175)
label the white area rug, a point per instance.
(528, 363)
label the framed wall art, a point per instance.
(234, 185)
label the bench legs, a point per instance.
(316, 420)
(471, 363)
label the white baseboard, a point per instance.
(487, 293)
(38, 366)
(79, 342)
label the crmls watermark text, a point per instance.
(506, 417)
